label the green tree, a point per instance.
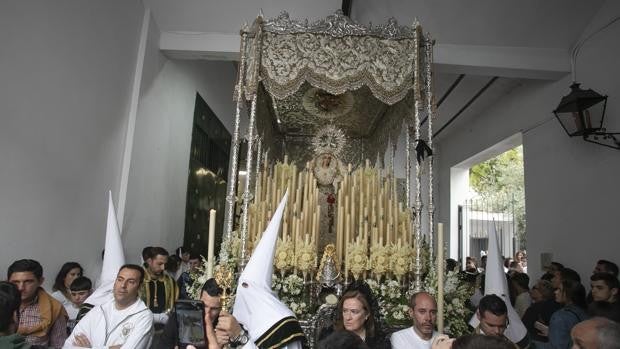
(500, 180)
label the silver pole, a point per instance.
(259, 149)
(229, 213)
(247, 194)
(418, 173)
(407, 165)
(429, 117)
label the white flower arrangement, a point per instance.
(391, 290)
(391, 299)
(290, 291)
(456, 294)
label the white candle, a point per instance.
(440, 276)
(211, 248)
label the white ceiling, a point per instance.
(522, 23)
(495, 35)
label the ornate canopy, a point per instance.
(334, 54)
(361, 79)
(330, 80)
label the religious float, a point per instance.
(327, 103)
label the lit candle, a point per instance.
(440, 276)
(211, 248)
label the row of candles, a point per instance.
(301, 217)
(369, 213)
(367, 208)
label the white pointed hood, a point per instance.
(113, 259)
(495, 283)
(256, 306)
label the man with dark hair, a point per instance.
(159, 290)
(42, 319)
(10, 300)
(493, 315)
(596, 333)
(185, 280)
(423, 312)
(124, 322)
(605, 287)
(146, 254)
(227, 325)
(605, 266)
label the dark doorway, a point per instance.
(206, 181)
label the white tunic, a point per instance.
(408, 339)
(70, 307)
(105, 326)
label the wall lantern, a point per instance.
(582, 114)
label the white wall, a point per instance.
(155, 211)
(571, 186)
(66, 69)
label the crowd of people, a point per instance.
(556, 310)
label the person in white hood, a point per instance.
(125, 322)
(267, 322)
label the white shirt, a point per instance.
(105, 326)
(70, 307)
(409, 339)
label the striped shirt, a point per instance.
(30, 316)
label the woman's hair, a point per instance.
(478, 341)
(360, 291)
(575, 292)
(59, 283)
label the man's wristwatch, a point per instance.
(241, 339)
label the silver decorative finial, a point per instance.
(260, 13)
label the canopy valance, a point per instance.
(334, 54)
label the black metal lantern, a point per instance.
(582, 113)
